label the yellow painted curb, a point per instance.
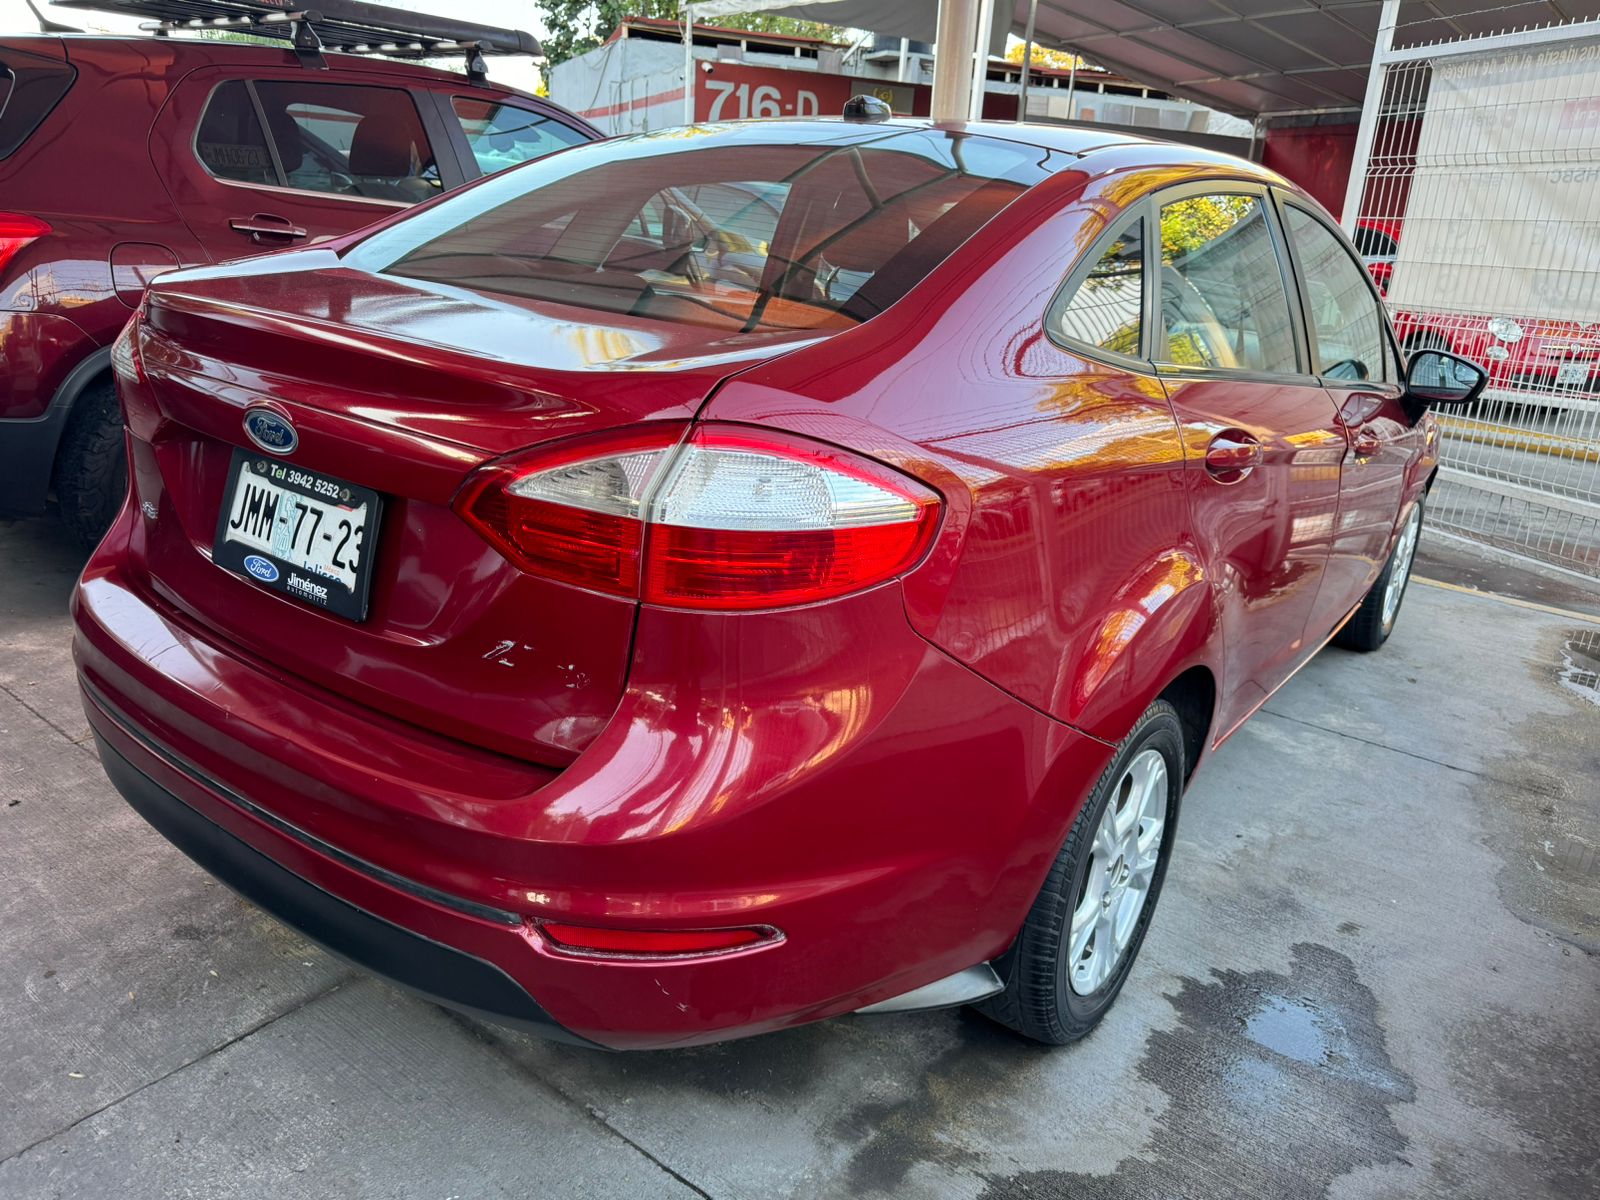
(1512, 600)
(1485, 434)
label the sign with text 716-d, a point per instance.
(731, 92)
(295, 531)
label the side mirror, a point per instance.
(1438, 377)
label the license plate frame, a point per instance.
(257, 549)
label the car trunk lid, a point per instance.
(406, 388)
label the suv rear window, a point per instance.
(30, 86)
(720, 228)
(502, 135)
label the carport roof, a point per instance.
(1259, 57)
(1250, 57)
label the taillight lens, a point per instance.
(16, 231)
(728, 519)
(126, 365)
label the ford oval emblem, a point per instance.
(261, 568)
(271, 432)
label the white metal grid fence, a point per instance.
(1479, 214)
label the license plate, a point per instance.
(1572, 374)
(295, 531)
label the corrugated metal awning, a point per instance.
(1249, 57)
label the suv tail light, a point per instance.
(126, 365)
(729, 518)
(16, 231)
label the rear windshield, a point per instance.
(726, 227)
(30, 86)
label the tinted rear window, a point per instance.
(30, 86)
(728, 227)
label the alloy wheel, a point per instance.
(1400, 570)
(1122, 865)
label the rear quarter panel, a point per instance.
(1065, 571)
(87, 172)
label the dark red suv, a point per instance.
(121, 158)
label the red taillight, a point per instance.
(653, 943)
(740, 569)
(574, 513)
(729, 519)
(16, 231)
(126, 365)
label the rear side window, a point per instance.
(1105, 310)
(337, 138)
(502, 136)
(30, 86)
(230, 142)
(718, 228)
(1223, 303)
(1346, 325)
(349, 140)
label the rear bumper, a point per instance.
(895, 831)
(437, 971)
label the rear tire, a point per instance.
(1380, 608)
(92, 465)
(1055, 991)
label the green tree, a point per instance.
(1190, 224)
(1061, 60)
(574, 27)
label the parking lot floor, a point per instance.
(1374, 973)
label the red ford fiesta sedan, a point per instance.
(709, 581)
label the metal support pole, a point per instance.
(980, 60)
(1072, 89)
(1367, 131)
(688, 64)
(1027, 61)
(952, 60)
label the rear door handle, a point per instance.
(1232, 455)
(1365, 442)
(265, 227)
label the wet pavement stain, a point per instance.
(1580, 668)
(1540, 804)
(1531, 1069)
(1277, 1086)
(984, 1063)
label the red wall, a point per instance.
(1317, 157)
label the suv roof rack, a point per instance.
(347, 26)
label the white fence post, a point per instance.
(1368, 129)
(688, 64)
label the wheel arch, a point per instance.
(1172, 653)
(30, 446)
(1194, 695)
(95, 368)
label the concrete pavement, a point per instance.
(1374, 974)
